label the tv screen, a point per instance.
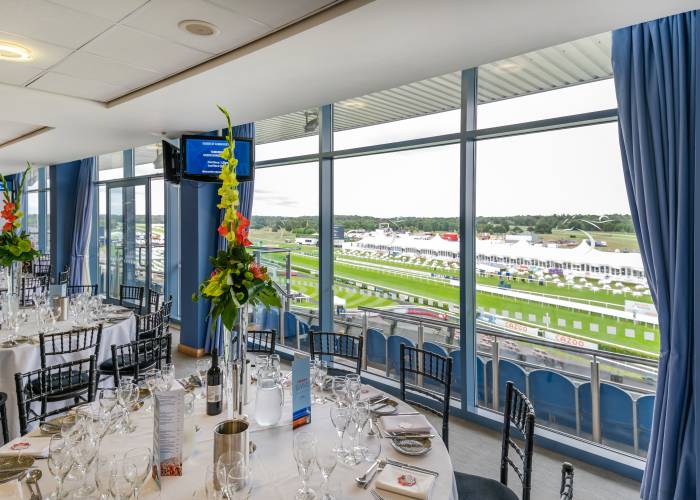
(201, 158)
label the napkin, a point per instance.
(406, 423)
(390, 480)
(13, 489)
(37, 447)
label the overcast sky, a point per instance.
(569, 171)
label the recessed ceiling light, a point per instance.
(13, 52)
(355, 104)
(508, 66)
(198, 28)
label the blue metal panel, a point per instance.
(645, 414)
(376, 347)
(616, 421)
(290, 325)
(64, 182)
(325, 220)
(554, 399)
(394, 350)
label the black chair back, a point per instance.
(41, 269)
(153, 300)
(518, 413)
(131, 296)
(74, 341)
(167, 311)
(149, 325)
(261, 341)
(567, 482)
(137, 357)
(3, 418)
(72, 290)
(432, 367)
(64, 276)
(30, 286)
(38, 386)
(337, 345)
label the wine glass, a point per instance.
(210, 485)
(84, 450)
(339, 388)
(305, 456)
(231, 472)
(341, 414)
(137, 465)
(353, 386)
(327, 459)
(108, 399)
(321, 372)
(127, 395)
(59, 463)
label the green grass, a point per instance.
(353, 300)
(615, 241)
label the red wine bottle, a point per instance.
(214, 388)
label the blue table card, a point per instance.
(301, 391)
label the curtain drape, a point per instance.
(79, 257)
(655, 67)
(245, 195)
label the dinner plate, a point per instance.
(386, 407)
(412, 446)
(14, 467)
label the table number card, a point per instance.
(301, 391)
(168, 432)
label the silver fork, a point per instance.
(380, 467)
(376, 495)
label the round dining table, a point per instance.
(26, 355)
(274, 471)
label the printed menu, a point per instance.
(301, 391)
(168, 432)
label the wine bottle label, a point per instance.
(213, 393)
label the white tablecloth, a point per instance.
(274, 470)
(26, 357)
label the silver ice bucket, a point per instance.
(231, 435)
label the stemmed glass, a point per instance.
(137, 465)
(341, 414)
(211, 492)
(353, 386)
(127, 394)
(84, 450)
(60, 462)
(232, 473)
(103, 475)
(305, 456)
(319, 378)
(119, 485)
(327, 459)
(339, 388)
(360, 416)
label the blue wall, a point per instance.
(64, 182)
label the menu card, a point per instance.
(168, 432)
(301, 391)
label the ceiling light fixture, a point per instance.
(311, 118)
(198, 28)
(13, 52)
(355, 104)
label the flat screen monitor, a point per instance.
(201, 157)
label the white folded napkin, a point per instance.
(406, 423)
(404, 482)
(37, 447)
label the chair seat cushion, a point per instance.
(107, 366)
(56, 381)
(472, 487)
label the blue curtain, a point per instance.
(655, 66)
(82, 227)
(245, 194)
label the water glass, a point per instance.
(137, 465)
(305, 457)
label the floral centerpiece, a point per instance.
(15, 245)
(236, 279)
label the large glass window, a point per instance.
(36, 216)
(148, 160)
(294, 134)
(110, 166)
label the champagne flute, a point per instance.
(353, 386)
(305, 456)
(327, 459)
(341, 414)
(103, 475)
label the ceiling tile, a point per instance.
(77, 87)
(17, 73)
(49, 22)
(109, 9)
(88, 66)
(141, 50)
(11, 130)
(273, 12)
(44, 55)
(161, 17)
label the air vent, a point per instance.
(198, 28)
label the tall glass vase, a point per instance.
(236, 367)
(13, 276)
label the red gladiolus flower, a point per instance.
(8, 212)
(213, 273)
(7, 227)
(223, 229)
(257, 271)
(242, 230)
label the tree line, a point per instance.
(541, 224)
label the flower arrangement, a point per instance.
(15, 245)
(237, 279)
